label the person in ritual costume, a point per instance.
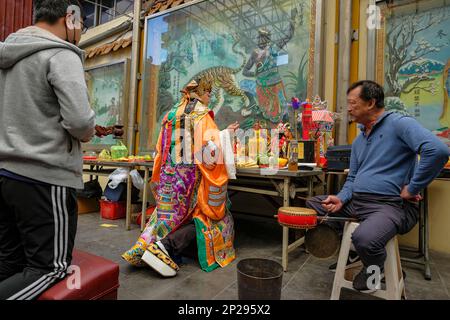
(189, 182)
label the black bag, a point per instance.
(120, 193)
(338, 157)
(92, 189)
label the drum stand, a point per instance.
(423, 255)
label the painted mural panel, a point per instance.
(256, 53)
(416, 63)
(106, 87)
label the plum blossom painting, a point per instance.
(416, 60)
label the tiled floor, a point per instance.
(307, 277)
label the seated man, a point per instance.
(190, 188)
(385, 178)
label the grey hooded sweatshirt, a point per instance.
(44, 108)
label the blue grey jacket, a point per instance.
(386, 160)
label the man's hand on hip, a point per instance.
(408, 196)
(332, 204)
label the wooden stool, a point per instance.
(395, 285)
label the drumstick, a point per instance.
(328, 218)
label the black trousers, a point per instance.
(37, 233)
(182, 241)
(381, 218)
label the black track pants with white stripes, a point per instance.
(37, 232)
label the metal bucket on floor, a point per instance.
(259, 279)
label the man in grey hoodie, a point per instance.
(44, 115)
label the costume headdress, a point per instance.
(264, 34)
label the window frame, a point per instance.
(98, 5)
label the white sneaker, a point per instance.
(157, 258)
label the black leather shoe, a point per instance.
(366, 282)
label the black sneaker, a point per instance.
(366, 282)
(353, 261)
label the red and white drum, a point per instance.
(297, 217)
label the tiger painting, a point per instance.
(223, 80)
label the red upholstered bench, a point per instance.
(99, 280)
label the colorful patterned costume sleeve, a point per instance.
(213, 221)
(212, 193)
